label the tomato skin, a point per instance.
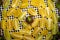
(29, 19)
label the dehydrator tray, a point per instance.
(28, 19)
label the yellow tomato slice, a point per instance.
(32, 11)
